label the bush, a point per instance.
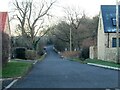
(70, 54)
(31, 55)
(20, 52)
(60, 46)
(40, 49)
(84, 53)
(5, 48)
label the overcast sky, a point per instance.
(91, 7)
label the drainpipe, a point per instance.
(108, 40)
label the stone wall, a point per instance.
(111, 54)
(93, 52)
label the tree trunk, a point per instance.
(35, 43)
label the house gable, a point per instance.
(3, 19)
(106, 37)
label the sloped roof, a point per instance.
(109, 17)
(3, 17)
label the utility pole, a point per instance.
(70, 40)
(117, 29)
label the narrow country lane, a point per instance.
(55, 72)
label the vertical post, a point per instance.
(0, 54)
(70, 40)
(117, 29)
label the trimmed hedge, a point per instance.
(31, 54)
(71, 54)
(20, 52)
(5, 48)
(23, 53)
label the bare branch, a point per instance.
(62, 39)
(18, 7)
(40, 26)
(43, 14)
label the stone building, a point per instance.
(106, 38)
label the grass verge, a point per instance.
(42, 57)
(101, 62)
(96, 61)
(15, 69)
(78, 60)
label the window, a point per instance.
(114, 42)
(114, 21)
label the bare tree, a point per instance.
(61, 31)
(82, 27)
(74, 19)
(31, 16)
(43, 11)
(22, 9)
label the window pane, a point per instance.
(114, 42)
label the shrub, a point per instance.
(5, 48)
(70, 54)
(20, 52)
(60, 46)
(31, 54)
(84, 53)
(40, 53)
(40, 49)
